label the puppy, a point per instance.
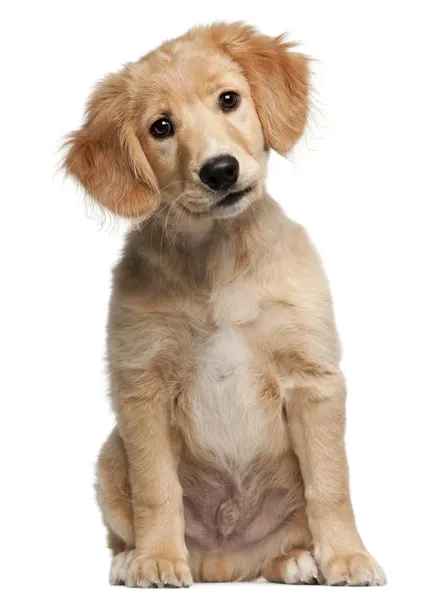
(227, 461)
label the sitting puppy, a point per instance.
(228, 461)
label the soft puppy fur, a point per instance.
(227, 461)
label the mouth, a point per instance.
(219, 209)
(232, 198)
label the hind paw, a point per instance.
(296, 567)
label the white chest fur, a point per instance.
(225, 405)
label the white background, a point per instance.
(363, 183)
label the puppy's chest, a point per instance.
(227, 416)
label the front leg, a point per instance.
(160, 557)
(316, 416)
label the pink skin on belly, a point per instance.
(223, 516)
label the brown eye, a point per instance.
(229, 100)
(162, 128)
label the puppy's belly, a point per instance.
(223, 513)
(239, 477)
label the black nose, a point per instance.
(220, 173)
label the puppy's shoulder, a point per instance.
(291, 252)
(133, 271)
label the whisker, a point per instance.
(173, 183)
(178, 213)
(166, 219)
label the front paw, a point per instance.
(353, 569)
(147, 571)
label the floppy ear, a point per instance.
(279, 80)
(106, 157)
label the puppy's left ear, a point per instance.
(279, 80)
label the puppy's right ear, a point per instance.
(106, 157)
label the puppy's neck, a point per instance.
(206, 250)
(184, 229)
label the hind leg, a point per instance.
(113, 493)
(114, 543)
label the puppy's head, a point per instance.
(188, 126)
